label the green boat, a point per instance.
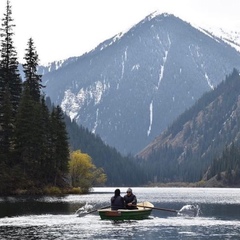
(143, 211)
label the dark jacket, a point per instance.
(117, 202)
(130, 199)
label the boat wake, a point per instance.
(189, 211)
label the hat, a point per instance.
(129, 190)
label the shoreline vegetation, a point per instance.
(47, 191)
(56, 191)
(211, 183)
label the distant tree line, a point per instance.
(227, 166)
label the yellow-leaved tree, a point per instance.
(83, 172)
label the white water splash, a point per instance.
(85, 209)
(189, 210)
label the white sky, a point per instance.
(67, 28)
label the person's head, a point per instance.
(129, 191)
(117, 192)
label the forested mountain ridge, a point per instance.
(119, 169)
(187, 148)
(134, 85)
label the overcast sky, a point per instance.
(66, 28)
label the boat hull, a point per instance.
(126, 214)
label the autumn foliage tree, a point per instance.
(83, 172)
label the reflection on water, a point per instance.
(55, 218)
(90, 227)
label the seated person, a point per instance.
(130, 200)
(117, 200)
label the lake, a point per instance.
(56, 218)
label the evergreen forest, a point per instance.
(227, 166)
(34, 149)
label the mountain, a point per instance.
(186, 149)
(131, 87)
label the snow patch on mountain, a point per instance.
(150, 118)
(230, 36)
(96, 122)
(208, 81)
(155, 14)
(72, 103)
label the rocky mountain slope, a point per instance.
(186, 149)
(133, 86)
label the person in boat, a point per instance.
(130, 200)
(117, 201)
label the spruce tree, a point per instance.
(59, 144)
(32, 79)
(32, 123)
(44, 141)
(25, 132)
(6, 127)
(10, 83)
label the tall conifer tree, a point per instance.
(25, 132)
(10, 83)
(32, 79)
(59, 143)
(32, 135)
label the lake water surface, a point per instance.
(56, 218)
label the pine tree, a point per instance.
(59, 144)
(32, 79)
(10, 83)
(24, 134)
(6, 127)
(44, 138)
(32, 136)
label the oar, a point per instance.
(83, 214)
(161, 209)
